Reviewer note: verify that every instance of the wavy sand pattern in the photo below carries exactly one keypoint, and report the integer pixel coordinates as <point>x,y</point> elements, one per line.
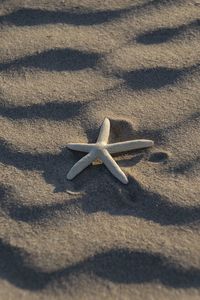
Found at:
<point>64,66</point>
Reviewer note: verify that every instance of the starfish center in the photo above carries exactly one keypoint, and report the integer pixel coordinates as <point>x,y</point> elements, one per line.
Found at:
<point>100,146</point>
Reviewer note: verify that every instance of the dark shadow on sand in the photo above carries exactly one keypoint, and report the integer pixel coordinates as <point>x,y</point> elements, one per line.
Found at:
<point>52,166</point>
<point>55,60</point>
<point>56,110</point>
<point>31,17</point>
<point>76,16</point>
<point>131,200</point>
<point>165,34</point>
<point>115,265</point>
<point>155,78</point>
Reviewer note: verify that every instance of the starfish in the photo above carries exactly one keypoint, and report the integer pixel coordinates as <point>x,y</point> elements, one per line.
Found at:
<point>101,149</point>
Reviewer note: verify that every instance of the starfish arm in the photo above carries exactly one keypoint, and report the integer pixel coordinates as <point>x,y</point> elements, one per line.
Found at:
<point>112,166</point>
<point>129,145</point>
<point>80,147</point>
<point>104,132</point>
<point>81,165</point>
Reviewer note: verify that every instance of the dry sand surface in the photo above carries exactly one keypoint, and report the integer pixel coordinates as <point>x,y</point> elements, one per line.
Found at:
<point>65,65</point>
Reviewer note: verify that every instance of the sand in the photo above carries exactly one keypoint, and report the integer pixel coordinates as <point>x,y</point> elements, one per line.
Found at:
<point>65,66</point>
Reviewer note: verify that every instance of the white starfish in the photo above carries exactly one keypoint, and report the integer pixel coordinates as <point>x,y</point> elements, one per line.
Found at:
<point>101,149</point>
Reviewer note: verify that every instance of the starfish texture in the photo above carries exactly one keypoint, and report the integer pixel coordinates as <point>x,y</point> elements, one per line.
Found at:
<point>101,149</point>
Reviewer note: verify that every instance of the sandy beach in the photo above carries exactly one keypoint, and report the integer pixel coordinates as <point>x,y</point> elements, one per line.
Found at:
<point>65,65</point>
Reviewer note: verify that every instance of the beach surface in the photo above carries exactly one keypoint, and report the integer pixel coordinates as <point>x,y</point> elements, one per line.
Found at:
<point>65,65</point>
